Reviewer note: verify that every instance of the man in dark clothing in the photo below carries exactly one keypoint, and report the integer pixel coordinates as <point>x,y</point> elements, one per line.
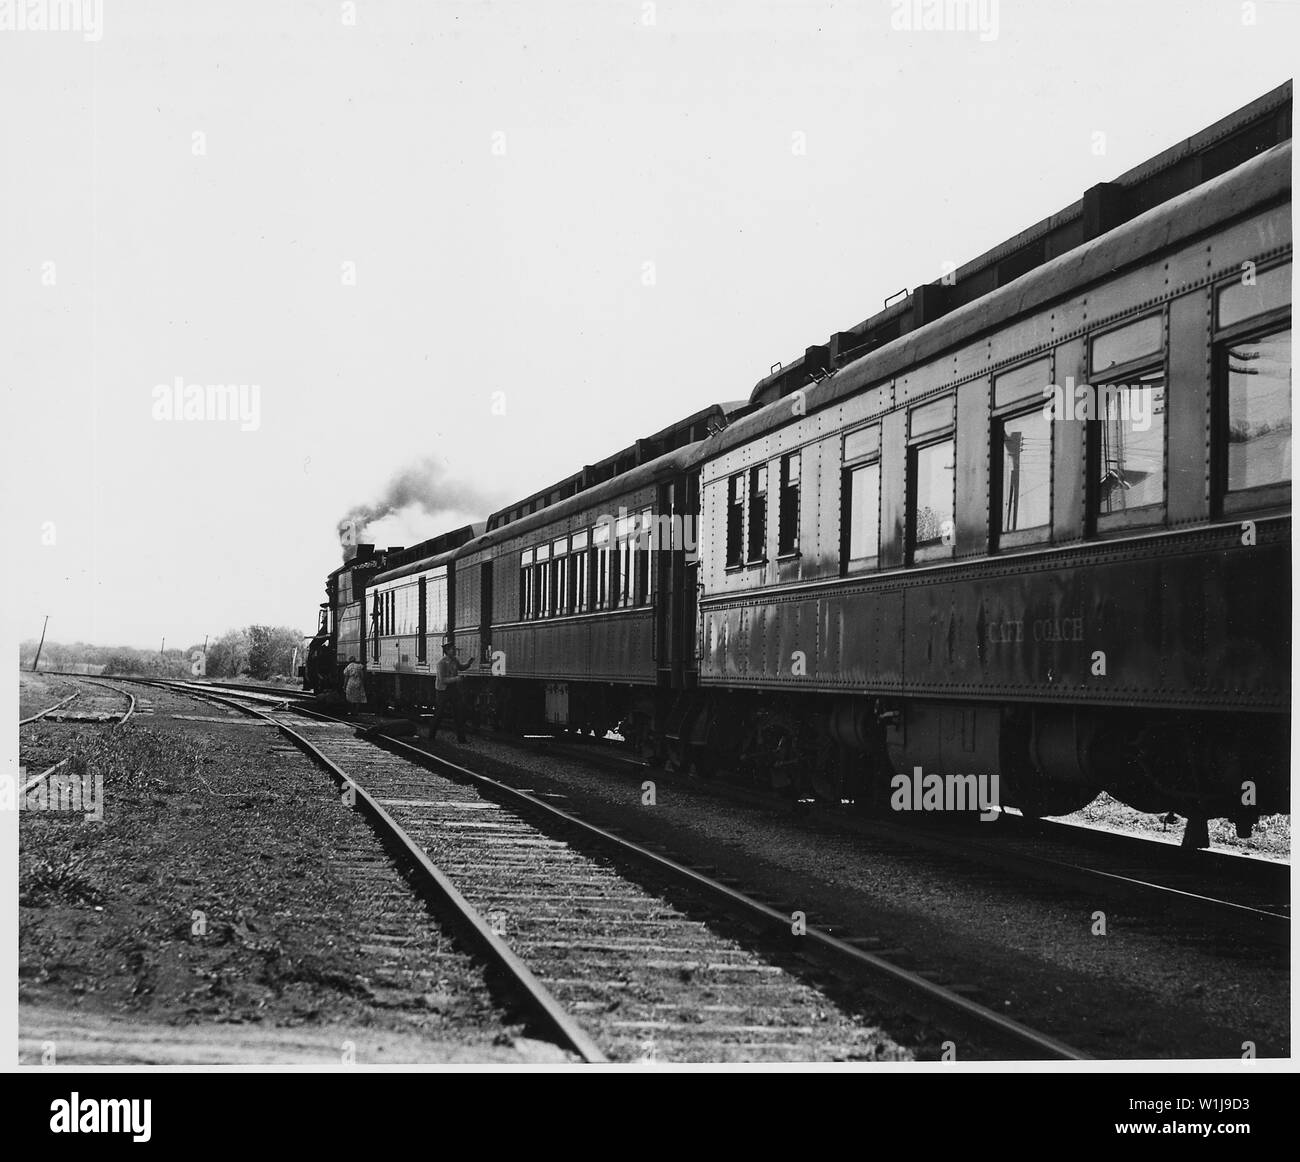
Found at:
<point>447,683</point>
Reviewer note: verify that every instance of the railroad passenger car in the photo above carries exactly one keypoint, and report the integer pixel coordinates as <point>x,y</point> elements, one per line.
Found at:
<point>354,622</point>
<point>410,598</point>
<point>1031,522</point>
<point>1044,535</point>
<point>577,603</point>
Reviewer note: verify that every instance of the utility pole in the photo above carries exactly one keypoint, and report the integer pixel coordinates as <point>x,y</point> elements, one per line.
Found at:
<point>36,661</point>
<point>162,647</point>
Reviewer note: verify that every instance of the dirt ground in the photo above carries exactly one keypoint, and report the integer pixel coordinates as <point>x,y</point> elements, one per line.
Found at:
<point>88,1038</point>
<point>229,908</point>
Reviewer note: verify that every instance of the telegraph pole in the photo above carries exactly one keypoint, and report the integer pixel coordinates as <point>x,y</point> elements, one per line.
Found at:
<point>37,659</point>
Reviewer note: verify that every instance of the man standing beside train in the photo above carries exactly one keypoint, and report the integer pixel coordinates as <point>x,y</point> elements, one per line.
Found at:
<point>447,684</point>
<point>354,686</point>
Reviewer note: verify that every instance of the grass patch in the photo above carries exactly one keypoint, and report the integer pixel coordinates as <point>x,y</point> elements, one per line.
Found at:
<point>57,879</point>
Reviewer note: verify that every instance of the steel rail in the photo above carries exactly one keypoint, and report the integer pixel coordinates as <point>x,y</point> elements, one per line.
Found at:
<point>131,703</point>
<point>1249,919</point>
<point>1265,923</point>
<point>544,1006</point>
<point>916,986</point>
<point>1279,925</point>
<point>49,709</point>
<point>130,698</point>
<point>37,780</point>
<point>265,691</point>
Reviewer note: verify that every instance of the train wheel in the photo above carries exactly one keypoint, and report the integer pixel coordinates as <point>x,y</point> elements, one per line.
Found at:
<point>638,729</point>
<point>771,754</point>
<point>703,763</point>
<point>825,777</point>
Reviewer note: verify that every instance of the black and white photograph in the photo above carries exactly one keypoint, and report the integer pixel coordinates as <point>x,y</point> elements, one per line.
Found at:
<point>648,536</point>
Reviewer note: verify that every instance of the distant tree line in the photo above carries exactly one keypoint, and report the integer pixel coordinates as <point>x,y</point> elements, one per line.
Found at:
<point>255,651</point>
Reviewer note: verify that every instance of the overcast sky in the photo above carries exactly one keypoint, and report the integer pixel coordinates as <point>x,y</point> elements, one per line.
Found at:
<point>181,197</point>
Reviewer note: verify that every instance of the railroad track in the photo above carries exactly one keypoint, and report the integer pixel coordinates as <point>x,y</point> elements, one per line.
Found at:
<point>36,780</point>
<point>598,920</point>
<point>91,707</point>
<point>258,696</point>
<point>99,707</point>
<point>1242,897</point>
<point>95,713</point>
<point>273,692</point>
<point>267,694</point>
<point>997,851</point>
<point>48,710</point>
<point>1238,896</point>
<point>538,1006</point>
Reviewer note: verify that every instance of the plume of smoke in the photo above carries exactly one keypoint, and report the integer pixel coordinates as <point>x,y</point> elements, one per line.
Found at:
<point>423,486</point>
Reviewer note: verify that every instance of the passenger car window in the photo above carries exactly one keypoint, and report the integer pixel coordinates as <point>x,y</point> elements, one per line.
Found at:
<point>788,513</point>
<point>933,478</point>
<point>1136,340</point>
<point>736,519</point>
<point>863,516</point>
<point>1023,448</point>
<point>1258,411</point>
<point>1131,424</point>
<point>1269,290</point>
<point>860,499</point>
<point>931,482</point>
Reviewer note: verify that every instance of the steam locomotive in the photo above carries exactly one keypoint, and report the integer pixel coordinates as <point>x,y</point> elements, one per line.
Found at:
<point>1032,521</point>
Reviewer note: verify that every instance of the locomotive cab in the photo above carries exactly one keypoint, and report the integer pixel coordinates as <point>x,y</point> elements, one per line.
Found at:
<point>318,673</point>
